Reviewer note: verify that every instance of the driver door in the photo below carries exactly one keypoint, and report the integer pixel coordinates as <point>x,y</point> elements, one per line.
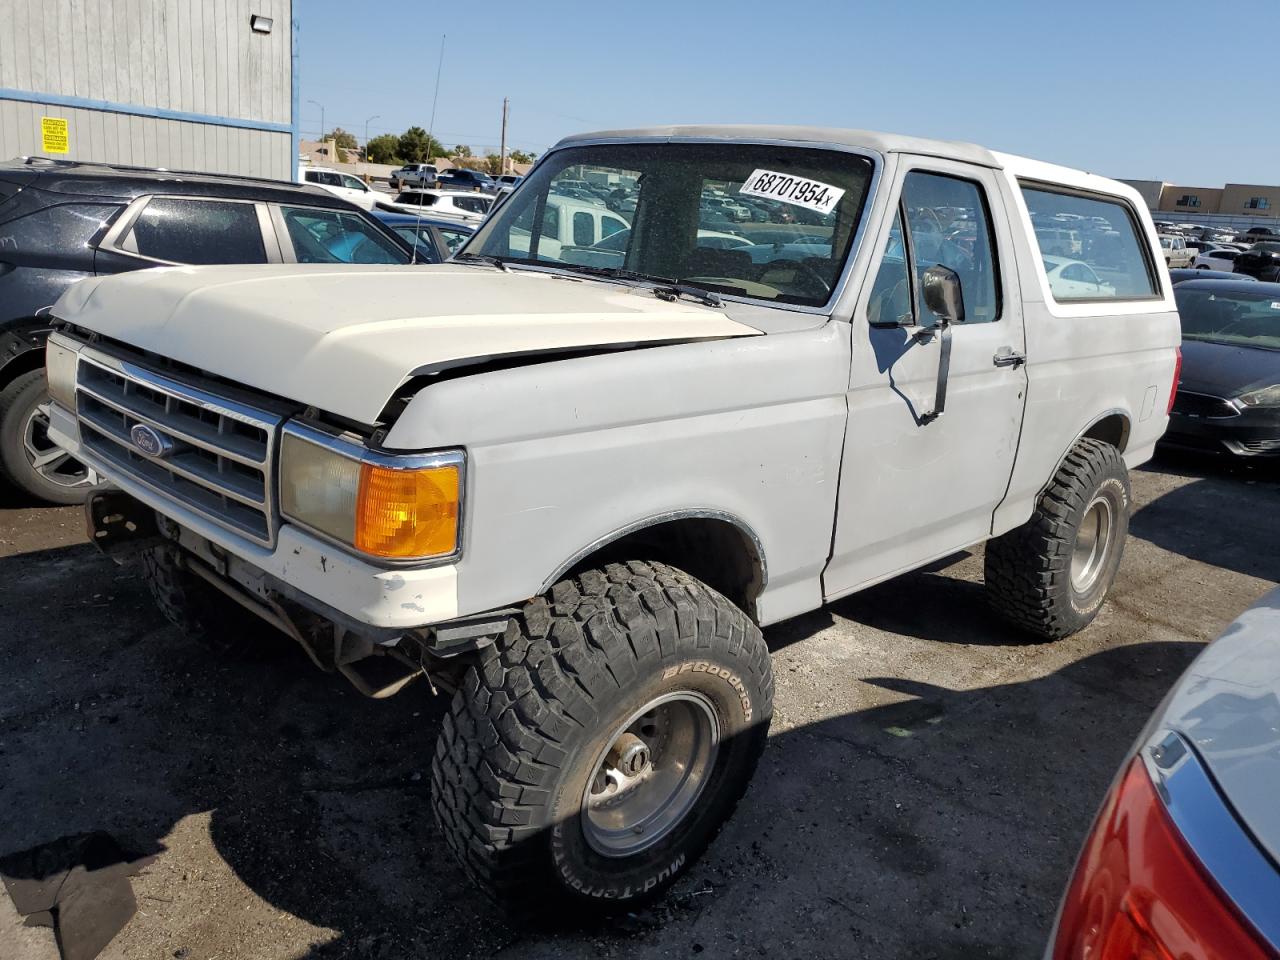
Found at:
<point>913,486</point>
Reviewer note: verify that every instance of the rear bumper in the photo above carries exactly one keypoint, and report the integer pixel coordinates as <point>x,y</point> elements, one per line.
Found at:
<point>1255,433</point>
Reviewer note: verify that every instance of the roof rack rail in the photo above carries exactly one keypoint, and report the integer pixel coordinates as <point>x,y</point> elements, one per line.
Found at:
<point>127,168</point>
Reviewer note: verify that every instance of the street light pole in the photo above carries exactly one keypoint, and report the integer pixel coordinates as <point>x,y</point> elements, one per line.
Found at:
<point>321,106</point>
<point>366,135</point>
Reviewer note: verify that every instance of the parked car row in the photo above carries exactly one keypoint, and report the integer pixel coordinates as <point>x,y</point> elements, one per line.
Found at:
<point>65,221</point>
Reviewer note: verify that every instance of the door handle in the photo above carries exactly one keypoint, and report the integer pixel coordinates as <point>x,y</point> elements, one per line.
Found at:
<point>1005,357</point>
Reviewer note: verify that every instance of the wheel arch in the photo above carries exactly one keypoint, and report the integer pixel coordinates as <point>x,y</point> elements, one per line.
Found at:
<point>1111,427</point>
<point>22,347</point>
<point>714,546</point>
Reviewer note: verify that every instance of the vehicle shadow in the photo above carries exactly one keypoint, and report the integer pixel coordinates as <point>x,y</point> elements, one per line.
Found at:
<point>963,807</point>
<point>1188,519</point>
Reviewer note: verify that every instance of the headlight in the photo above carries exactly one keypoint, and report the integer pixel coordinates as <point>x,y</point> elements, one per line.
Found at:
<point>395,507</point>
<point>60,358</point>
<point>1266,397</point>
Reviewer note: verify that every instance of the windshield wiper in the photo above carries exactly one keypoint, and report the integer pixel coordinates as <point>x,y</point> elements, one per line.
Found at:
<point>666,288</point>
<point>481,258</point>
<point>675,291</point>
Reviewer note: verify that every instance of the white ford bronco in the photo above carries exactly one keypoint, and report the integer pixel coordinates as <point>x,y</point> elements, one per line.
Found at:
<point>570,482</point>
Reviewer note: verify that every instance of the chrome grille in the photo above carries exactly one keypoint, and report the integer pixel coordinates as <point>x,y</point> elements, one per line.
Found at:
<point>1192,404</point>
<point>217,453</point>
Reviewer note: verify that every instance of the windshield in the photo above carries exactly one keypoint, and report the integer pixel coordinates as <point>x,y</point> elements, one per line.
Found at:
<point>1248,319</point>
<point>768,222</point>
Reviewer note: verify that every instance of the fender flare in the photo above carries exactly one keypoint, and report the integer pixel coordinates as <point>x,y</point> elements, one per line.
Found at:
<point>19,339</point>
<point>657,520</point>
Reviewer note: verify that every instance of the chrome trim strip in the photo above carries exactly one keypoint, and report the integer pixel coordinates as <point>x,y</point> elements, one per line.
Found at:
<point>1248,878</point>
<point>407,461</point>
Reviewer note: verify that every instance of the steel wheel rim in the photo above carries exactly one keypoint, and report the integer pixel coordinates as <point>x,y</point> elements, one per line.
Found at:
<point>47,459</point>
<point>650,774</point>
<point>1093,544</point>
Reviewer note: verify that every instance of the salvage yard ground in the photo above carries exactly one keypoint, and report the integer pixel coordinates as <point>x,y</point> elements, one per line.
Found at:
<point>928,779</point>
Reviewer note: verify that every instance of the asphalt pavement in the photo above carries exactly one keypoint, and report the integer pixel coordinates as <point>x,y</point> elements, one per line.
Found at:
<point>929,776</point>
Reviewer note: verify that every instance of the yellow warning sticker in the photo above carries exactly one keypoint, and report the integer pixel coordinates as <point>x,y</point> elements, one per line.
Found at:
<point>54,135</point>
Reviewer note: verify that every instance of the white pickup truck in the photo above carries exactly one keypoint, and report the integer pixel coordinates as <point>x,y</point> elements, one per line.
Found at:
<point>572,495</point>
<point>413,175</point>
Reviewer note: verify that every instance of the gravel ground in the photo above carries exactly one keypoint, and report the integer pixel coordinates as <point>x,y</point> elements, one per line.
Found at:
<point>928,779</point>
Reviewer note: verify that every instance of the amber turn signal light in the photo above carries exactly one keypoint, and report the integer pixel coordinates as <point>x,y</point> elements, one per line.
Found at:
<point>407,514</point>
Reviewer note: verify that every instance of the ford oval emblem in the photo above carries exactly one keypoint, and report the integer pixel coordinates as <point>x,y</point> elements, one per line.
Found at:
<point>148,441</point>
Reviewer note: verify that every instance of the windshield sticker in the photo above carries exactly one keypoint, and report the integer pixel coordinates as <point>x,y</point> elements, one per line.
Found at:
<point>798,191</point>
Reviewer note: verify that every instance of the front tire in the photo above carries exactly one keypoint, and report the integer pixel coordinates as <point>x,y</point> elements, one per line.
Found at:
<point>206,615</point>
<point>1051,575</point>
<point>592,755</point>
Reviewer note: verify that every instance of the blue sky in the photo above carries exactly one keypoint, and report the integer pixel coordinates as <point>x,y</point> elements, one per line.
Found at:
<point>1120,88</point>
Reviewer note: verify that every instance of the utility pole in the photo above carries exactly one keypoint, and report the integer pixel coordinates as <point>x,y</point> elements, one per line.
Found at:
<point>321,106</point>
<point>366,135</point>
<point>435,96</point>
<point>502,165</point>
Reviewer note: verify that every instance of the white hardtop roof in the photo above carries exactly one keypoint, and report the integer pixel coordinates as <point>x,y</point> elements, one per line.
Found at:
<point>874,140</point>
<point>881,142</point>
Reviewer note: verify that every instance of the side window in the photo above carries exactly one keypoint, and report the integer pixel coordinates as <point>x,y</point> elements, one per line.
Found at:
<point>551,222</point>
<point>453,239</point>
<point>311,176</point>
<point>334,236</point>
<point>948,223</point>
<point>352,183</point>
<point>199,231</point>
<point>891,295</point>
<point>611,225</point>
<point>421,241</point>
<point>1108,242</point>
<point>584,229</point>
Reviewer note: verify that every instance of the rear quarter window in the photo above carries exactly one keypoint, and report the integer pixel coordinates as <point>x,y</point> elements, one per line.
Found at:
<point>1099,232</point>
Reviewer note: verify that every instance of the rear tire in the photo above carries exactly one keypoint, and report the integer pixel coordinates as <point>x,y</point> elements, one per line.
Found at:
<point>1051,575</point>
<point>553,774</point>
<point>206,615</point>
<point>29,460</point>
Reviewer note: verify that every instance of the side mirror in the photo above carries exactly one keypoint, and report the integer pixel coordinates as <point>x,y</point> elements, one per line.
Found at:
<point>943,296</point>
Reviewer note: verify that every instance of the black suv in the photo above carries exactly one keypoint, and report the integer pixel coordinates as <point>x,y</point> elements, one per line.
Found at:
<point>460,178</point>
<point>61,221</point>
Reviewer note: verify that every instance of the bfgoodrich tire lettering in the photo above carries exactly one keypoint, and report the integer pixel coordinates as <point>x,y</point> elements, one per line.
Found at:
<point>1052,574</point>
<point>518,751</point>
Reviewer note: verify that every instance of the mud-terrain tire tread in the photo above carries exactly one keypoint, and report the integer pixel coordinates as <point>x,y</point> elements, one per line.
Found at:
<point>1028,569</point>
<point>497,756</point>
<point>205,615</point>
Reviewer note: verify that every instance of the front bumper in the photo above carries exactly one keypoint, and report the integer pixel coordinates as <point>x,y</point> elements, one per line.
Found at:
<point>1255,433</point>
<point>315,573</point>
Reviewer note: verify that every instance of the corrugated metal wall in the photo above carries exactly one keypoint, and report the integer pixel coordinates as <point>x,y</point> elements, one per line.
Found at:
<point>195,56</point>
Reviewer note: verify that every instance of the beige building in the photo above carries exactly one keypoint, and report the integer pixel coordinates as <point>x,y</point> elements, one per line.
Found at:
<point>1250,200</point>
<point>1234,199</point>
<point>1180,199</point>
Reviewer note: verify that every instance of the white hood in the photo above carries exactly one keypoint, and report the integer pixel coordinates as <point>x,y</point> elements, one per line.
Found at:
<point>343,338</point>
